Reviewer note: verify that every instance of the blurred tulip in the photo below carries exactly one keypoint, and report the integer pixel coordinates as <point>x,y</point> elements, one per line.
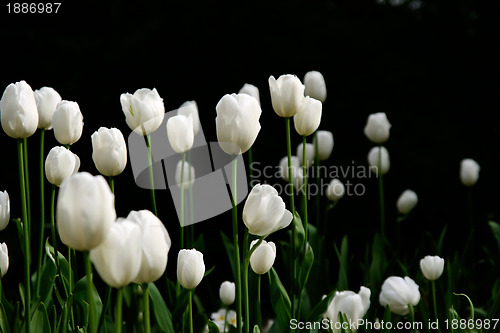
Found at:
<point>4,210</point>
<point>191,108</point>
<point>118,258</point>
<point>85,211</point>
<point>353,306</point>
<point>315,86</point>
<point>298,180</point>
<point>373,159</point>
<point>60,163</point>
<point>4,259</point>
<point>67,122</point>
<point>377,128</point>
<point>18,111</point>
<point>251,90</point>
<point>398,293</point>
<point>190,268</point>
<point>335,190</point>
<point>227,292</point>
<point>325,144</point>
<point>262,259</point>
<point>309,154</point>
<point>47,100</point>
<point>407,201</point>
<point>155,244</point>
<point>237,122</point>
<point>283,167</point>
<point>264,211</point>
<point>469,171</point>
<point>308,117</point>
<point>109,151</point>
<point>180,133</point>
<point>144,110</point>
<point>432,267</point>
<point>188,177</point>
<point>287,94</point>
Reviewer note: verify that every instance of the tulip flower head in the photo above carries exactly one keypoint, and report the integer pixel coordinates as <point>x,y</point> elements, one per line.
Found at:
<point>469,172</point>
<point>180,132</point>
<point>308,117</point>
<point>4,210</point>
<point>398,293</point>
<point>109,151</point>
<point>283,167</point>
<point>4,259</point>
<point>47,100</point>
<point>406,202</point>
<point>190,268</point>
<point>144,110</point>
<point>60,163</point>
<point>315,86</point>
<point>325,144</point>
<point>335,190</point>
<point>191,108</point>
<point>353,306</point>
<point>432,267</point>
<point>377,128</point>
<point>18,111</point>
<point>67,122</point>
<point>373,160</point>
<point>287,93</point>
<point>262,258</point>
<point>251,90</point>
<point>188,177</point>
<point>227,292</point>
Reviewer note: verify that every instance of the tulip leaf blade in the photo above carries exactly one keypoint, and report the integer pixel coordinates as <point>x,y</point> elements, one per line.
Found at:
<point>342,256</point>
<point>40,320</point>
<point>228,244</point>
<point>80,299</point>
<point>212,327</point>
<point>386,319</point>
<point>4,321</point>
<point>300,236</point>
<point>306,266</point>
<point>470,303</point>
<point>160,309</point>
<point>319,310</point>
<point>256,329</point>
<point>279,299</point>
<point>495,228</point>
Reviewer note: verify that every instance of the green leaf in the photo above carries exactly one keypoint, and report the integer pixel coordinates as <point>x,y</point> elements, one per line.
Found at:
<point>256,329</point>
<point>279,300</point>
<point>471,305</point>
<point>343,260</point>
<point>228,244</point>
<point>441,240</point>
<point>209,271</point>
<point>64,268</point>
<point>40,321</point>
<point>4,321</point>
<point>160,309</point>
<point>387,318</point>
<point>453,315</point>
<point>300,235</point>
<point>47,281</point>
<point>212,327</point>
<point>320,309</point>
<point>495,228</point>
<point>306,266</point>
<point>20,235</point>
<point>80,300</point>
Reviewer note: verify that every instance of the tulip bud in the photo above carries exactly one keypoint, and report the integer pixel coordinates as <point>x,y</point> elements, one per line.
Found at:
<point>373,160</point>
<point>398,293</point>
<point>469,171</point>
<point>353,306</point>
<point>308,117</point>
<point>262,259</point>
<point>180,133</point>
<point>335,190</point>
<point>191,108</point>
<point>190,268</point>
<point>237,122</point>
<point>325,144</point>
<point>227,293</point>
<point>377,128</point>
<point>315,86</point>
<point>118,258</point>
<point>109,151</point>
<point>67,122</point>
<point>155,244</point>
<point>287,94</point>
<point>47,100</point>
<point>187,178</point>
<point>283,166</point>
<point>60,163</point>
<point>144,110</point>
<point>85,211</point>
<point>264,211</point>
<point>432,267</point>
<point>407,201</point>
<point>18,111</point>
<point>4,259</point>
<point>251,90</point>
<point>4,210</point>
<point>309,154</point>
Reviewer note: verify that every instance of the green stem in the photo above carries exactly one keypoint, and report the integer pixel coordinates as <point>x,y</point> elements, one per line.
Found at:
<point>259,315</point>
<point>111,181</point>
<point>433,284</point>
<point>42,210</point>
<point>225,317</point>
<point>318,185</point>
<point>151,175</point>
<point>90,297</point>
<point>118,310</point>
<point>292,207</point>
<point>246,255</point>
<point>105,307</point>
<point>182,199</point>
<point>412,316</point>
<point>27,184</point>
<point>191,310</point>
<point>145,297</point>
<point>381,191</point>
<point>304,185</point>
<point>191,205</point>
<point>239,311</point>
<point>53,225</point>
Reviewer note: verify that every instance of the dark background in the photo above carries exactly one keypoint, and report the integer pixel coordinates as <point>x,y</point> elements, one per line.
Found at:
<point>434,71</point>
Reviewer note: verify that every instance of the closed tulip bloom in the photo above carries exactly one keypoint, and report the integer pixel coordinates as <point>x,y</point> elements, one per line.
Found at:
<point>85,211</point>
<point>298,180</point>
<point>398,293</point>
<point>180,133</point>
<point>188,177</point>
<point>377,128</point>
<point>325,144</point>
<point>191,108</point>
<point>227,292</point>
<point>373,159</point>
<point>469,171</point>
<point>262,259</point>
<point>251,90</point>
<point>308,117</point>
<point>4,259</point>
<point>335,190</point>
<point>67,122</point>
<point>118,258</point>
<point>18,111</point>
<point>407,201</point>
<point>144,110</point>
<point>287,94</point>
<point>264,211</point>
<point>237,122</point>
<point>310,152</point>
<point>283,166</point>
<point>315,85</point>
<point>109,151</point>
<point>47,100</point>
<point>190,268</point>
<point>60,163</point>
<point>4,210</point>
<point>353,306</point>
<point>432,267</point>
<point>155,245</point>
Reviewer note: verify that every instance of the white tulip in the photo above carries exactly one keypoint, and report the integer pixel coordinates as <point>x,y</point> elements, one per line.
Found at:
<point>67,122</point>
<point>262,258</point>
<point>155,246</point>
<point>47,100</point>
<point>283,166</point>
<point>109,151</point>
<point>18,110</point>
<point>118,258</point>
<point>187,178</point>
<point>191,108</point>
<point>308,117</point>
<point>4,210</point>
<point>432,267</point>
<point>60,163</point>
<point>227,292</point>
<point>251,90</point>
<point>190,268</point>
<point>407,201</point>
<point>398,293</point>
<point>298,180</point>
<point>144,110</point>
<point>4,259</point>
<point>335,190</point>
<point>325,144</point>
<point>377,128</point>
<point>353,306</point>
<point>180,132</point>
<point>287,94</point>
<point>310,152</point>
<point>264,211</point>
<point>373,160</point>
<point>469,172</point>
<point>237,122</point>
<point>85,211</point>
<point>315,85</point>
